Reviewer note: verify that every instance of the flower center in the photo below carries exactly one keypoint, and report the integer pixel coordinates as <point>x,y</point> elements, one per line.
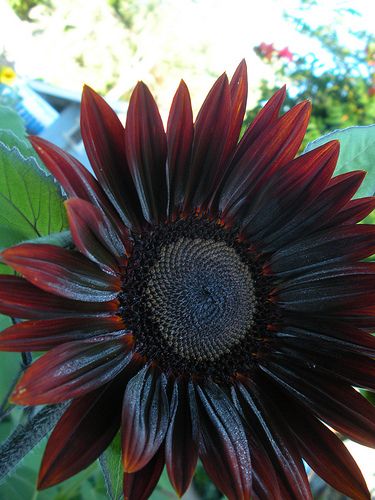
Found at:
<point>201,297</point>
<point>195,299</point>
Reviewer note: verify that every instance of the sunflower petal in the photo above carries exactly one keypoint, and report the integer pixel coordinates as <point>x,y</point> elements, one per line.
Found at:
<point>292,187</point>
<point>329,289</point>
<point>103,137</point>
<point>95,236</point>
<point>210,135</point>
<point>336,403</point>
<point>180,132</point>
<point>238,97</point>
<point>145,418</point>
<point>354,211</point>
<point>181,451</point>
<point>264,418</point>
<point>146,150</point>
<point>327,455</point>
<point>71,370</point>
<point>81,435</point>
<point>267,116</point>
<point>276,145</point>
<point>224,449</point>
<point>62,272</point>
<point>329,247</point>
<point>327,335</point>
<point>139,485</point>
<point>71,174</point>
<point>352,367</point>
<point>45,334</point>
<point>21,299</point>
<point>265,479</point>
<point>335,196</point>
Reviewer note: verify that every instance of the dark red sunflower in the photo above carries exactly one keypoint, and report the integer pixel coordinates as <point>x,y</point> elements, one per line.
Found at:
<point>216,305</point>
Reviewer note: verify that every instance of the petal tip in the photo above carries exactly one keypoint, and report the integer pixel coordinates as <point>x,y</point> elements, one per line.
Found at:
<point>88,92</point>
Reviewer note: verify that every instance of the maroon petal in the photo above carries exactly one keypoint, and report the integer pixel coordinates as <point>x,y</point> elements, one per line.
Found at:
<point>354,211</point>
<point>103,137</point>
<point>324,335</point>
<point>224,449</point>
<point>290,189</point>
<point>145,418</point>
<point>335,196</point>
<point>276,145</point>
<point>181,451</point>
<point>210,135</point>
<point>265,419</point>
<point>329,247</point>
<point>146,150</point>
<point>71,174</point>
<point>45,334</point>
<point>139,485</point>
<point>329,289</point>
<point>72,369</point>
<point>180,131</point>
<point>62,272</point>
<point>95,236</point>
<point>327,455</point>
<point>352,368</point>
<point>267,116</point>
<point>336,403</point>
<point>362,317</point>
<point>238,97</point>
<point>82,434</point>
<point>21,299</point>
<point>265,481</point>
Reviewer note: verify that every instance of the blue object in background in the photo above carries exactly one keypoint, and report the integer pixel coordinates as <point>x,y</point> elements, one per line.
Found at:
<point>35,111</point>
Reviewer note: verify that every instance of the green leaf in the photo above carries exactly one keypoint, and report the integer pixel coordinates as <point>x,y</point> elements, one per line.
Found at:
<point>10,120</point>
<point>164,489</point>
<point>10,363</point>
<point>31,203</point>
<point>5,321</point>
<point>357,152</point>
<point>21,485</point>
<point>10,139</point>
<point>111,464</point>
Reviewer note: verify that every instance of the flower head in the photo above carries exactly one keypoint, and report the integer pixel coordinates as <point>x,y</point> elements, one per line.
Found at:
<point>285,53</point>
<point>216,305</point>
<point>7,75</point>
<point>266,50</point>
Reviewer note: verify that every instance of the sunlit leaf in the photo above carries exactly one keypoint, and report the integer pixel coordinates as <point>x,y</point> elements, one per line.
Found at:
<point>357,152</point>
<point>30,201</point>
<point>10,120</point>
<point>111,464</point>
<point>31,204</point>
<point>164,489</point>
<point>10,139</point>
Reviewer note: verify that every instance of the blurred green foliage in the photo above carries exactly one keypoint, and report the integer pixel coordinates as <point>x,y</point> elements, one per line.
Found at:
<point>22,7</point>
<point>341,88</point>
<point>127,10</point>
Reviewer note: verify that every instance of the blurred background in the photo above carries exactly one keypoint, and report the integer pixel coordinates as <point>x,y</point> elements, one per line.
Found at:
<point>322,50</point>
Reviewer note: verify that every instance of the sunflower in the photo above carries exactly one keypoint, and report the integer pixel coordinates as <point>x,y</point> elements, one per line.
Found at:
<point>216,305</point>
